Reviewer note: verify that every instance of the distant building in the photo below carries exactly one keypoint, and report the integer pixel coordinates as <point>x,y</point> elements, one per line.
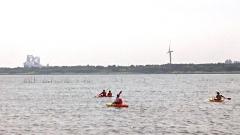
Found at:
<point>228,61</point>
<point>32,62</point>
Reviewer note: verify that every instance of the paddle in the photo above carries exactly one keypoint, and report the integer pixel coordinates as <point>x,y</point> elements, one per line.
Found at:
<point>228,98</point>
<point>120,93</point>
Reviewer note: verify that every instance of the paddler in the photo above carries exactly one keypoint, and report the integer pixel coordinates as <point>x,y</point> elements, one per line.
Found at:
<point>219,97</point>
<point>109,93</point>
<point>103,94</point>
<point>118,100</point>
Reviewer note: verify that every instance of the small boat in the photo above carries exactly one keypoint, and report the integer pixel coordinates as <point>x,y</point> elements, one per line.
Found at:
<point>215,100</point>
<point>103,96</point>
<point>116,105</point>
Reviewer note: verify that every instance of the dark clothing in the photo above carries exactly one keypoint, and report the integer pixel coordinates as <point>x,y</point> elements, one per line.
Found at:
<point>219,97</point>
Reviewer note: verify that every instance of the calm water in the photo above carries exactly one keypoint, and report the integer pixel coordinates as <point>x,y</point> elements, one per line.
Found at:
<point>158,104</point>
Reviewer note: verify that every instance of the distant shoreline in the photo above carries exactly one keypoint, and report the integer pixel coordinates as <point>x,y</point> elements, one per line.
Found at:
<point>219,68</point>
<point>236,73</point>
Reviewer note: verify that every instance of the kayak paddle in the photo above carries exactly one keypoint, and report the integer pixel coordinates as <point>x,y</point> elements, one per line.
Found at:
<point>228,98</point>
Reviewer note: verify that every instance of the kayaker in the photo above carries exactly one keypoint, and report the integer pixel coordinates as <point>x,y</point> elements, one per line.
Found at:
<point>118,100</point>
<point>109,93</point>
<point>103,94</point>
<point>219,97</point>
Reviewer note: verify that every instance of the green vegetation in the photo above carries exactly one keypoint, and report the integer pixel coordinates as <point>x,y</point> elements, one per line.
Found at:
<point>138,69</point>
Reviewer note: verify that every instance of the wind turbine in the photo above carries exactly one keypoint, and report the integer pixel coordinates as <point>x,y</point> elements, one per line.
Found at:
<point>170,53</point>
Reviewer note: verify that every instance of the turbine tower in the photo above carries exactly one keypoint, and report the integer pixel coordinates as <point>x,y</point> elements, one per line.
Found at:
<point>170,53</point>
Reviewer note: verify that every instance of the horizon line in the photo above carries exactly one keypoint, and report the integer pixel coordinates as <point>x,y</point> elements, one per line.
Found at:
<point>123,65</point>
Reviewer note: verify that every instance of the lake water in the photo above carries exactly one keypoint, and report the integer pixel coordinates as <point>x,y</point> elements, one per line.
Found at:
<point>158,104</point>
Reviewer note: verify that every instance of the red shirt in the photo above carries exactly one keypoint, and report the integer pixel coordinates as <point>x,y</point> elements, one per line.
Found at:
<point>103,94</point>
<point>109,94</point>
<point>118,101</point>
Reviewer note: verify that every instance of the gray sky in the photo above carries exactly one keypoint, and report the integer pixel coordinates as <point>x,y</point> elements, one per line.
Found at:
<point>121,32</point>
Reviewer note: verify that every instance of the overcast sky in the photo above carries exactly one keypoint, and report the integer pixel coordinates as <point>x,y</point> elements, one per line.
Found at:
<point>121,32</point>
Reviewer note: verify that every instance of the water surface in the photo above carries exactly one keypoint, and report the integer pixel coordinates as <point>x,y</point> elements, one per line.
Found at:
<point>158,104</point>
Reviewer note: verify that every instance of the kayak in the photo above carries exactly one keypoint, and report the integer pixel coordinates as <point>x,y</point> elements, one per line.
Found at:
<point>103,96</point>
<point>116,105</point>
<point>215,100</point>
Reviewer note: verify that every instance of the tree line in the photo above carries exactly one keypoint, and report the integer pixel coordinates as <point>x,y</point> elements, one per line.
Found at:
<point>133,69</point>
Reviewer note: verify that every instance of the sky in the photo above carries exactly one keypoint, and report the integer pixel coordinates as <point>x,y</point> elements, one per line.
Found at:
<point>118,32</point>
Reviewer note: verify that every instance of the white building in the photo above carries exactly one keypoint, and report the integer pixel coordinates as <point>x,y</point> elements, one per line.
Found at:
<point>32,62</point>
<point>228,61</point>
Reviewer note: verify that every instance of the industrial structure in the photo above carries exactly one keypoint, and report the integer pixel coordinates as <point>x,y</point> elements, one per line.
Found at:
<point>32,62</point>
<point>170,53</point>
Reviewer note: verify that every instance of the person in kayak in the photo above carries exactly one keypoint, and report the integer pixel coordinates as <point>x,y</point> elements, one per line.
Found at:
<point>109,93</point>
<point>103,94</point>
<point>118,100</point>
<point>219,97</point>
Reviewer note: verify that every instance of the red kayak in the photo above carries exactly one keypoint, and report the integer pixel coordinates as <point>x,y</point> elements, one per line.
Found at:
<point>116,105</point>
<point>102,96</point>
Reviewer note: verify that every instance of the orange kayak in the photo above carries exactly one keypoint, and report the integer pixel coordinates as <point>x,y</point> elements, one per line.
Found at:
<point>215,100</point>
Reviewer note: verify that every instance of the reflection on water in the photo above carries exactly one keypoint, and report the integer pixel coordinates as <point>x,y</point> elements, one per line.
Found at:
<point>158,104</point>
